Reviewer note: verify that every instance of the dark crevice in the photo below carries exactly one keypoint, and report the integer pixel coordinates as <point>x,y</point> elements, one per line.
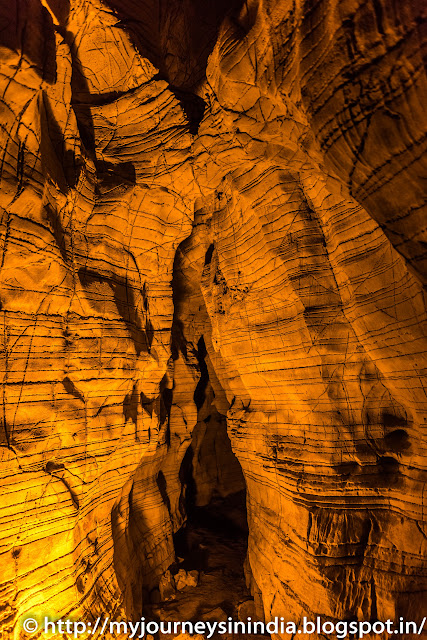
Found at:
<point>165,399</point>
<point>177,36</point>
<point>379,16</point>
<point>193,107</point>
<point>188,494</point>
<point>209,253</point>
<point>199,392</point>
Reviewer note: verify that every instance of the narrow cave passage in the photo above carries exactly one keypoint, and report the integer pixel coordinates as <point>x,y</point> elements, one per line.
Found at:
<point>214,490</point>
<point>208,582</point>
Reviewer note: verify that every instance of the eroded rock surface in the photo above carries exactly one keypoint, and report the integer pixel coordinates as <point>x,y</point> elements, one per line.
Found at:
<point>213,232</point>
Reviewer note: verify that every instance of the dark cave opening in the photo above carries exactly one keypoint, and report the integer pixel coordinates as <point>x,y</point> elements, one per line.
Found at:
<point>213,520</point>
<point>212,529</point>
<point>213,544</point>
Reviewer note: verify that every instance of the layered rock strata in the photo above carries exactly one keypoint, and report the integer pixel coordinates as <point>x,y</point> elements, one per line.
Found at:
<point>213,232</point>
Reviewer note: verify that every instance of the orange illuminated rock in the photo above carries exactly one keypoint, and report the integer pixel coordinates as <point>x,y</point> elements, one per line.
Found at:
<point>213,234</point>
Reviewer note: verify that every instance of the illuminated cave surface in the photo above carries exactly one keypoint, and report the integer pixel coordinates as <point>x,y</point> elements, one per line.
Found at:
<point>212,287</point>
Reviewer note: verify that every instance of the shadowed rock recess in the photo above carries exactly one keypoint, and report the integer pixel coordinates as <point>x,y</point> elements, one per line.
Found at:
<point>213,269</point>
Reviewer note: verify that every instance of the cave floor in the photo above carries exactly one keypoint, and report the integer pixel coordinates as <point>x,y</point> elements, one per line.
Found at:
<point>213,542</point>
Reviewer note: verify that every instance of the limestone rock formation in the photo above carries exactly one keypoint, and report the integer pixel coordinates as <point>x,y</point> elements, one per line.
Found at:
<point>212,279</point>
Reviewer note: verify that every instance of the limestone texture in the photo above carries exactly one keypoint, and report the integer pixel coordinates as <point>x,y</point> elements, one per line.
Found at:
<point>212,279</point>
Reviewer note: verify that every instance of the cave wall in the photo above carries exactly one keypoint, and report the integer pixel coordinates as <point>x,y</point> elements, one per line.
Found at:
<point>268,203</point>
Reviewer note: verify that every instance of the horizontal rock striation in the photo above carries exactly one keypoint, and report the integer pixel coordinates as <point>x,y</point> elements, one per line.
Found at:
<point>212,232</point>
